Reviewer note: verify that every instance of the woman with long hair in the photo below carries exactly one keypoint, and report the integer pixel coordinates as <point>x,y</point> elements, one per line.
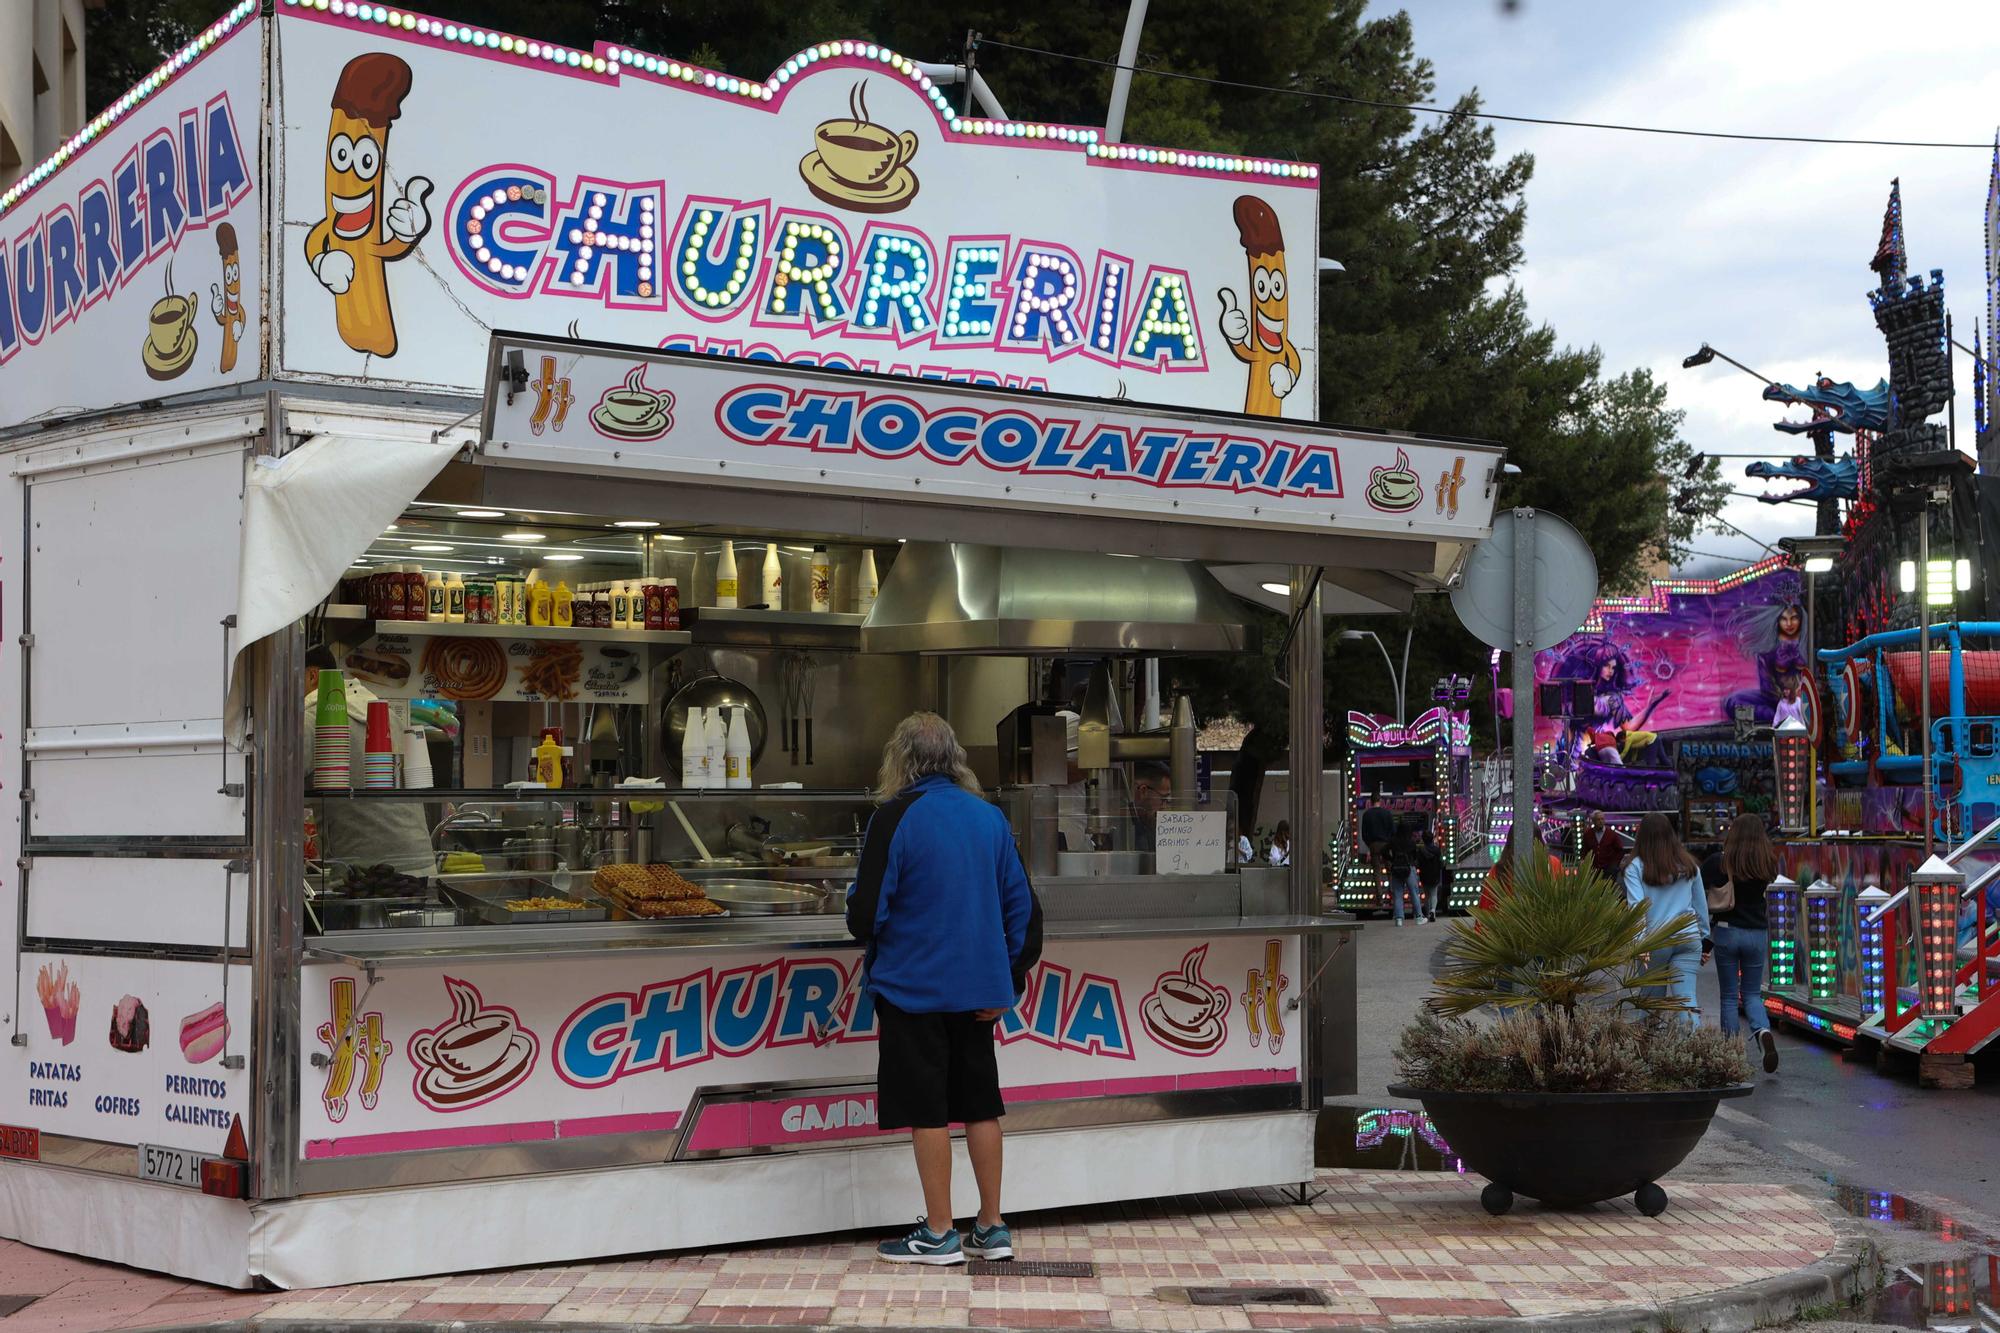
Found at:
<point>1663,878</point>
<point>1747,863</point>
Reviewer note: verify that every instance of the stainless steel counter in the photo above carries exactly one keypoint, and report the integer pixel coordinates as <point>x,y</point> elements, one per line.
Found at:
<point>394,948</point>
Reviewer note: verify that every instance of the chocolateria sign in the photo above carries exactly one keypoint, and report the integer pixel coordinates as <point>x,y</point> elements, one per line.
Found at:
<point>440,181</point>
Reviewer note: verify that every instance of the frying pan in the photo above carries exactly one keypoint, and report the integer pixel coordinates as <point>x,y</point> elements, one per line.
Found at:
<point>711,692</point>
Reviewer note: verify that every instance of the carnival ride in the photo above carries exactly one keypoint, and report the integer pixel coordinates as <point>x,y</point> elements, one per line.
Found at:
<point>1422,771</point>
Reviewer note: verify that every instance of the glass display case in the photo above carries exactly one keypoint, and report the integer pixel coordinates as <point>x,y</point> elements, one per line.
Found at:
<point>402,859</point>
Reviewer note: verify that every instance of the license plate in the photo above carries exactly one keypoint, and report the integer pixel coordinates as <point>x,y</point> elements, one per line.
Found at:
<point>20,1141</point>
<point>174,1166</point>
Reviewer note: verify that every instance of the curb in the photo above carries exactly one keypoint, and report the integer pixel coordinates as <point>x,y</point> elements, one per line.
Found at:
<point>1835,1282</point>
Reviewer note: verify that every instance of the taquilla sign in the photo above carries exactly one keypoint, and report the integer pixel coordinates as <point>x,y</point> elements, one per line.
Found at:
<point>442,181</point>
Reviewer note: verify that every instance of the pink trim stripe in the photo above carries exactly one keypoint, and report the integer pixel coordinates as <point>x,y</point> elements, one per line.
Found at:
<point>454,1136</point>
<point>638,1122</point>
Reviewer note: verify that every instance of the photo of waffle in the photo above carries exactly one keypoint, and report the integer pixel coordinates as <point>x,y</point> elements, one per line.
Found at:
<point>60,1000</point>
<point>654,892</point>
<point>131,1025</point>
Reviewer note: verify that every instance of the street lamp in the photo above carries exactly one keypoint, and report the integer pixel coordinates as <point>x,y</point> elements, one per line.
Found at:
<point>1395,676</point>
<point>1707,354</point>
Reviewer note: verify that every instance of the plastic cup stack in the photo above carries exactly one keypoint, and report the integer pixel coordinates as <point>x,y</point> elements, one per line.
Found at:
<point>416,759</point>
<point>333,743</point>
<point>378,762</point>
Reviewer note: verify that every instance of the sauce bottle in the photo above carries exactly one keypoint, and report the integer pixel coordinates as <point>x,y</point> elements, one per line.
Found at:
<point>725,577</point>
<point>621,605</point>
<point>822,580</point>
<point>562,605</point>
<point>771,589</point>
<point>454,600</point>
<point>548,759</point>
<point>540,603</point>
<point>736,751</point>
<point>870,583</point>
<point>435,599</point>
<point>416,593</point>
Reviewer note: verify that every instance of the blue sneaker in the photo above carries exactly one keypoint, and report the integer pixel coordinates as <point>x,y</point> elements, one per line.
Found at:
<point>924,1246</point>
<point>994,1242</point>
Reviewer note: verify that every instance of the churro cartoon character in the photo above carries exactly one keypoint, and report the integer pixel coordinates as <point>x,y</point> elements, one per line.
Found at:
<point>362,231</point>
<point>226,298</point>
<point>1257,334</point>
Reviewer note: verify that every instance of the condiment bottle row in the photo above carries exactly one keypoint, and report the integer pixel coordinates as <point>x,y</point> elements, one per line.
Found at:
<point>407,592</point>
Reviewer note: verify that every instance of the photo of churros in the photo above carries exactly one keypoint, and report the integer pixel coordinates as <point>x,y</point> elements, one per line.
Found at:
<point>465,668</point>
<point>552,671</point>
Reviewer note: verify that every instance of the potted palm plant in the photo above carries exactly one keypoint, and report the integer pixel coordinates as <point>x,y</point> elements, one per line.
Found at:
<point>1546,1059</point>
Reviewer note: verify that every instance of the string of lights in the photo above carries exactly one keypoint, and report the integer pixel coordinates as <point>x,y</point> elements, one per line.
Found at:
<point>1433,110</point>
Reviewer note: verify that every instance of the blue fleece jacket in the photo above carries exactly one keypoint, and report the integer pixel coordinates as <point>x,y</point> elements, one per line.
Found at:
<point>943,903</point>
<point>1664,902</point>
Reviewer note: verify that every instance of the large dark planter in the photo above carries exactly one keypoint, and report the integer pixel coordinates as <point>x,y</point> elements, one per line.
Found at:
<point>1572,1148</point>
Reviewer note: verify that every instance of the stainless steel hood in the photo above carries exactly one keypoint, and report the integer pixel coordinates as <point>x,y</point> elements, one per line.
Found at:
<point>960,598</point>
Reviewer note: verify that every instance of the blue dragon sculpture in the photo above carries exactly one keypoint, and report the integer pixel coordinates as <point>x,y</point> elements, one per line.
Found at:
<point>1840,407</point>
<point>1822,478</point>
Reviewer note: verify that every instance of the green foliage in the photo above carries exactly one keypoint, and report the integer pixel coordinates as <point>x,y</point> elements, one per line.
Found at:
<point>1565,960</point>
<point>1551,1050</point>
<point>1560,939</point>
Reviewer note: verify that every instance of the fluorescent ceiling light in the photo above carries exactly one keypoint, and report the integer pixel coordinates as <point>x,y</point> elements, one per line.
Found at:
<point>635,523</point>
<point>482,513</point>
<point>523,538</point>
<point>562,557</point>
<point>1277,589</point>
<point>431,548</point>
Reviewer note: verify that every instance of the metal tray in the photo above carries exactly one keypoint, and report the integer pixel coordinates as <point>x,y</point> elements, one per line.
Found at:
<point>489,903</point>
<point>764,897</point>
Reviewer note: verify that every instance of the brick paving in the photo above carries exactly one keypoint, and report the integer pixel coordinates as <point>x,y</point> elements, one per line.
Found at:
<point>1381,1247</point>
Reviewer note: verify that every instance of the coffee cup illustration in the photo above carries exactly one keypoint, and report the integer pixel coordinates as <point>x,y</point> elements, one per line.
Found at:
<point>859,165</point>
<point>1396,489</point>
<point>170,334</point>
<point>631,411</point>
<point>480,1053</point>
<point>1184,1013</point>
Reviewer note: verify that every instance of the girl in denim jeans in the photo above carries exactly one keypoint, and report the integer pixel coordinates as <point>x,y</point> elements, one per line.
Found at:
<point>1663,877</point>
<point>1748,863</point>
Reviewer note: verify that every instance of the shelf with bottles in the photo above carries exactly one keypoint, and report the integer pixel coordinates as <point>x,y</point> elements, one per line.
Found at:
<point>761,627</point>
<point>355,621</point>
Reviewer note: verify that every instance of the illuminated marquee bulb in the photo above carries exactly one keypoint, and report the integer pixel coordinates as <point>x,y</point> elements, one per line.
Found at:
<point>706,282</point>
<point>969,308</point>
<point>1936,886</point>
<point>1047,289</point>
<point>1781,906</point>
<point>1108,311</point>
<point>1874,965</point>
<point>899,272</point>
<point>1165,329</point>
<point>810,260</point>
<point>1822,942</point>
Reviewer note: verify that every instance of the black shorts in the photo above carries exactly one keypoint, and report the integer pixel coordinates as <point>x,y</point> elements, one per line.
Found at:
<point>934,1070</point>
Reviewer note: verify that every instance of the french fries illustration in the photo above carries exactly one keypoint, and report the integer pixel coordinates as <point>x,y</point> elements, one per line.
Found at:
<point>364,230</point>
<point>1263,999</point>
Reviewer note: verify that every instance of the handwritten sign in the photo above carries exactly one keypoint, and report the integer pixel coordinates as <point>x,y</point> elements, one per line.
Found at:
<point>1190,842</point>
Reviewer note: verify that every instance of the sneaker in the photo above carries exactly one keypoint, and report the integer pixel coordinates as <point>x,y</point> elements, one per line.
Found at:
<point>1399,923</point>
<point>923,1246</point>
<point>1769,1041</point>
<point>994,1242</point>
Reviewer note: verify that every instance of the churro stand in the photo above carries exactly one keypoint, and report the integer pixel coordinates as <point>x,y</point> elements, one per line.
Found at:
<point>443,751</point>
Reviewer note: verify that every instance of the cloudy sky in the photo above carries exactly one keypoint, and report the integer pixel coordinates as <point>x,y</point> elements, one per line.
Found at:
<point>1649,245</point>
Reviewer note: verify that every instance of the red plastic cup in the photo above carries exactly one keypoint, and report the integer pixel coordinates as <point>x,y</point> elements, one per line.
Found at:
<point>379,740</point>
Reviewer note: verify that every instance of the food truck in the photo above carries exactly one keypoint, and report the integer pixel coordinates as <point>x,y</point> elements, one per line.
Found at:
<point>391,897</point>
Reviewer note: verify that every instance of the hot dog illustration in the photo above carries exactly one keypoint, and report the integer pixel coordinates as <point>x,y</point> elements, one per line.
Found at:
<point>364,230</point>
<point>1257,334</point>
<point>226,298</point>
<point>204,1034</point>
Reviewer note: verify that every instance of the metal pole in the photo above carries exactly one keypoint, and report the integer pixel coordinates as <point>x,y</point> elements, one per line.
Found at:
<point>1307,672</point>
<point>1403,678</point>
<point>1812,668</point>
<point>1395,688</point>
<point>1523,681</point>
<point>1121,89</point>
<point>1924,656</point>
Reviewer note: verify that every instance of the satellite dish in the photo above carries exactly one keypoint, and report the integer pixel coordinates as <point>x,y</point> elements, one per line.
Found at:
<point>1565,583</point>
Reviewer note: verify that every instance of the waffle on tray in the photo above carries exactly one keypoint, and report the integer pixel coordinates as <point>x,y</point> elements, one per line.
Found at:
<point>673,907</point>
<point>646,884</point>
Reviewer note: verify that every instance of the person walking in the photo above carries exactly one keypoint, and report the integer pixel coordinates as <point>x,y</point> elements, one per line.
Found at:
<point>1663,878</point>
<point>1402,855</point>
<point>1430,873</point>
<point>952,927</point>
<point>1602,846</point>
<point>1738,875</point>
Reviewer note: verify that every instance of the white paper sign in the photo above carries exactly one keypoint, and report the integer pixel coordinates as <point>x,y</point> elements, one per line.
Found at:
<point>1190,842</point>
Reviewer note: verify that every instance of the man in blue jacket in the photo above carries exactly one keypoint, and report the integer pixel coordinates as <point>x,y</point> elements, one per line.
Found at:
<point>952,927</point>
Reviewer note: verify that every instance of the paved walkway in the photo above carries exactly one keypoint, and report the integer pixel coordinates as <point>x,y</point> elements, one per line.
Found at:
<point>1381,1247</point>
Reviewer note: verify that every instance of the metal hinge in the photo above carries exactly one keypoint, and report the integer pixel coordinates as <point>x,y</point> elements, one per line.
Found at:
<point>230,789</point>
<point>18,1039</point>
<point>238,866</point>
<point>27,793</point>
<point>232,1062</point>
<point>27,641</point>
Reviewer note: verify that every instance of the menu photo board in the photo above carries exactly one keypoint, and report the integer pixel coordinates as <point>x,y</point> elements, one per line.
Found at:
<point>525,670</point>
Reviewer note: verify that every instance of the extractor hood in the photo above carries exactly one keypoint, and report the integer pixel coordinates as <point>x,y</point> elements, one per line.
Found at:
<point>959,598</point>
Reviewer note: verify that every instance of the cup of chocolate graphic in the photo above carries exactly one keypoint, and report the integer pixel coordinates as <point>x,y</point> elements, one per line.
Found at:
<point>472,1048</point>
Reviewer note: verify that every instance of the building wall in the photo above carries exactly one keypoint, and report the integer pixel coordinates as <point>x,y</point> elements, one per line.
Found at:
<point>41,80</point>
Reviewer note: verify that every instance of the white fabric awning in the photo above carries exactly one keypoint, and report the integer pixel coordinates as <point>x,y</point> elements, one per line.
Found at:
<point>307,516</point>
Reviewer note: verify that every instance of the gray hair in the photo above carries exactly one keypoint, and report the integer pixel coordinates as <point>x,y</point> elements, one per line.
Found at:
<point>923,744</point>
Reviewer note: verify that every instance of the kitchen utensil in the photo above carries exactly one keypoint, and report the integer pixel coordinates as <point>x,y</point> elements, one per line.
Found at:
<point>700,847</point>
<point>713,691</point>
<point>806,702</point>
<point>763,897</point>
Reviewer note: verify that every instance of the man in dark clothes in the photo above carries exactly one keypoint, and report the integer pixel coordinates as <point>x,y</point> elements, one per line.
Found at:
<point>951,925</point>
<point>1602,847</point>
<point>1430,873</point>
<point>1402,856</point>
<point>1378,826</point>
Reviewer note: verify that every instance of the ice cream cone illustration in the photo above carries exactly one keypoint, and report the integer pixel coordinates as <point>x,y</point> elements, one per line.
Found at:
<point>226,297</point>
<point>364,229</point>
<point>1257,334</point>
